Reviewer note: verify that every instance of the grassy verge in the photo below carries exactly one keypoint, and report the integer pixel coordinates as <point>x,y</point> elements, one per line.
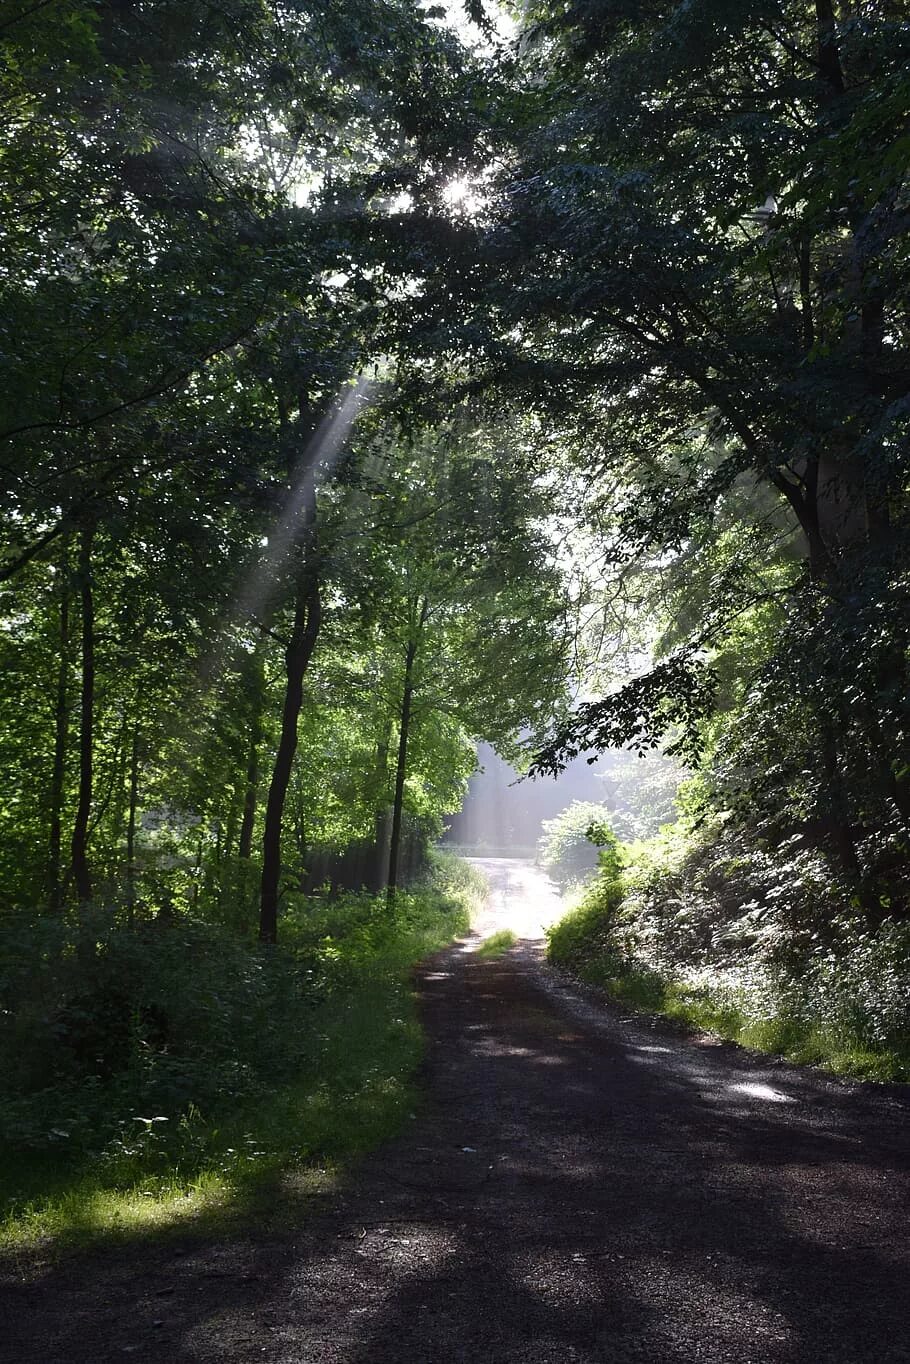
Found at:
<point>497,944</point>
<point>768,1014</point>
<point>342,1071</point>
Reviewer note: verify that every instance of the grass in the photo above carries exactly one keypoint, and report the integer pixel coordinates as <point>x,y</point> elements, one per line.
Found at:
<point>497,944</point>
<point>261,1156</point>
<point>581,944</point>
<point>357,1095</point>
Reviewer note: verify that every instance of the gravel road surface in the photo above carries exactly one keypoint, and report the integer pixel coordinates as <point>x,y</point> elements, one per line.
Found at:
<point>577,1186</point>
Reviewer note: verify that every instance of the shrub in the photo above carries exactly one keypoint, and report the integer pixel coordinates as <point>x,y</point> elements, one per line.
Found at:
<point>111,1024</point>
<point>177,1051</point>
<point>733,944</point>
<point>577,841</point>
<point>588,930</point>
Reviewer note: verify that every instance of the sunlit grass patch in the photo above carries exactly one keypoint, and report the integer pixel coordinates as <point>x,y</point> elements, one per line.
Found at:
<point>86,1210</point>
<point>701,1010</point>
<point>760,1010</point>
<point>497,944</point>
<point>349,1057</point>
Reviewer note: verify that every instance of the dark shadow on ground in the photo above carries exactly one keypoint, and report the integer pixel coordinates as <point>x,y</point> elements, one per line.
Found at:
<point>572,1189</point>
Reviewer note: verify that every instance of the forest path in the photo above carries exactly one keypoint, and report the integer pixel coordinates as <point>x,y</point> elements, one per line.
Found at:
<point>521,898</point>
<point>576,1187</point>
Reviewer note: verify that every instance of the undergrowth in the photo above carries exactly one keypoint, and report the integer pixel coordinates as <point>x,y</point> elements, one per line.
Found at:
<point>497,944</point>
<point>164,1073</point>
<point>841,1004</point>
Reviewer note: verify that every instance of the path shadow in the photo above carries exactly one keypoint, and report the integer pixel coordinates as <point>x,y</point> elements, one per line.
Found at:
<point>567,1193</point>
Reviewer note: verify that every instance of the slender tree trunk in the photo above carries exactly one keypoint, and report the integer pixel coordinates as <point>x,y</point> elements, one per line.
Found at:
<point>400,775</point>
<point>230,832</point>
<point>401,769</point>
<point>380,856</point>
<point>251,792</point>
<point>79,847</point>
<point>197,876</point>
<point>300,830</point>
<point>61,737</point>
<point>131,825</point>
<point>305,631</point>
<point>245,845</point>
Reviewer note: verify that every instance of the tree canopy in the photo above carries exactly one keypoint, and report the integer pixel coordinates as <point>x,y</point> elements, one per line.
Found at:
<point>370,391</point>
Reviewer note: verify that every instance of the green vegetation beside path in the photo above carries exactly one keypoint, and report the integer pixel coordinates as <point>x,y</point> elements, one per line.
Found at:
<point>236,1069</point>
<point>390,387</point>
<point>497,944</point>
<point>839,1005</point>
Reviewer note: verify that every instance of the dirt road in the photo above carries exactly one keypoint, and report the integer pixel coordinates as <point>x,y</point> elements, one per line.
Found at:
<point>577,1187</point>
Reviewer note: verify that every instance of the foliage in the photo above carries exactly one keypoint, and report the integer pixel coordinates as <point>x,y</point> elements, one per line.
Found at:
<point>221,522</point>
<point>180,1059</point>
<point>706,310</point>
<point>674,697</point>
<point>587,928</point>
<point>577,841</point>
<point>640,791</point>
<point>313,478</point>
<point>675,936</point>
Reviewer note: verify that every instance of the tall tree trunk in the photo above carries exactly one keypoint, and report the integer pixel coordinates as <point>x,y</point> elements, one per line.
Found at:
<point>245,844</point>
<point>300,830</point>
<point>251,790</point>
<point>79,846</point>
<point>230,833</point>
<point>401,770</point>
<point>61,737</point>
<point>131,825</point>
<point>305,631</point>
<point>379,862</point>
<point>197,876</point>
<point>828,58</point>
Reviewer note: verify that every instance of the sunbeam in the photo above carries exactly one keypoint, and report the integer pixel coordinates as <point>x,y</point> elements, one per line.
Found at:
<point>323,449</point>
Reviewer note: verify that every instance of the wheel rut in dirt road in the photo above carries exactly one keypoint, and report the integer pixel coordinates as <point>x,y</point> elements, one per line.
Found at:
<point>576,1187</point>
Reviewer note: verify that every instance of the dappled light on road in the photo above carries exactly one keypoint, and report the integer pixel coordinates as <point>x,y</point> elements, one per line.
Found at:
<point>762,1091</point>
<point>574,1186</point>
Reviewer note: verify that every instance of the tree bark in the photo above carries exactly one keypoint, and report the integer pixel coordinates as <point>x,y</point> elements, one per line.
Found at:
<point>380,857</point>
<point>305,631</point>
<point>79,846</point>
<point>401,770</point>
<point>245,844</point>
<point>829,62</point>
<point>61,738</point>
<point>300,831</point>
<point>131,825</point>
<point>251,792</point>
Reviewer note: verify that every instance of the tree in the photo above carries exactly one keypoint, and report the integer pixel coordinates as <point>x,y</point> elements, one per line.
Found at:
<point>697,259</point>
<point>204,231</point>
<point>471,597</point>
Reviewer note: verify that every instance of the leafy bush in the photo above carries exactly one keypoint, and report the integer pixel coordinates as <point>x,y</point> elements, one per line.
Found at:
<point>677,934</point>
<point>587,930</point>
<point>115,1024</point>
<point>577,841</point>
<point>176,1050</point>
